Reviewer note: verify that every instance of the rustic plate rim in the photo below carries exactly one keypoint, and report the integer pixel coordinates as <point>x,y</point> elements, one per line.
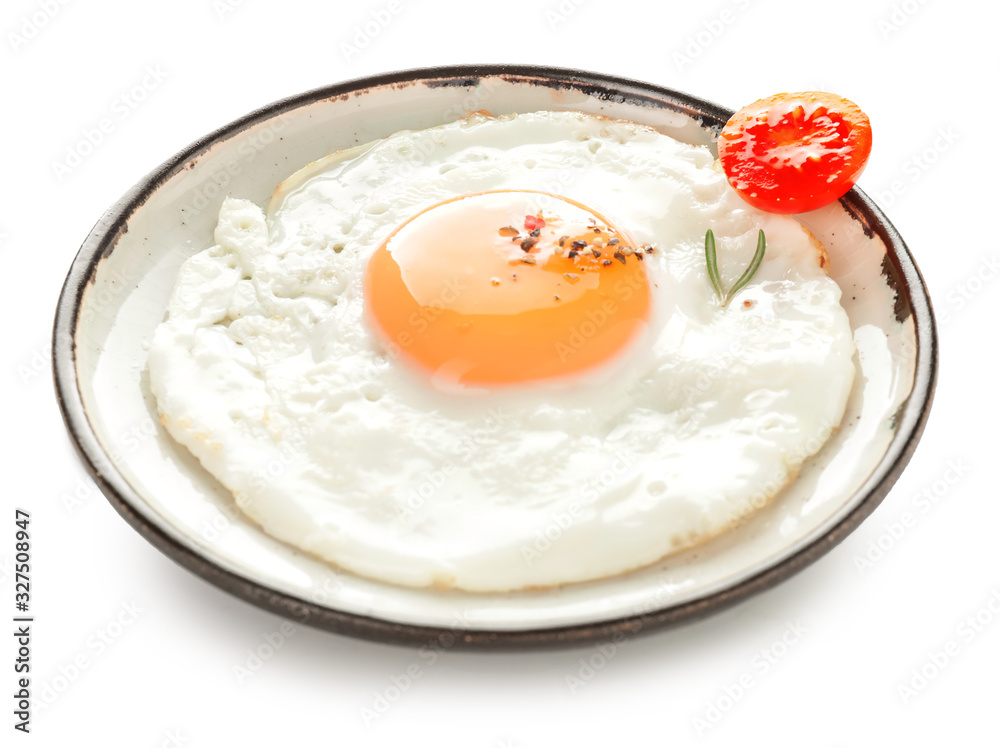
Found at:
<point>910,419</point>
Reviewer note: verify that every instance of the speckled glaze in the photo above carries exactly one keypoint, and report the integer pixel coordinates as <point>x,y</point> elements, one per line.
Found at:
<point>116,292</point>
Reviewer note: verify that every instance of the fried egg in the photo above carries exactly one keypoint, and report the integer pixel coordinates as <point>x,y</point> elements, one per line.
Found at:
<point>489,356</point>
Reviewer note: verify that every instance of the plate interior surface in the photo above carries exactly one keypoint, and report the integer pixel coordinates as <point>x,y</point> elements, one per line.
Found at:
<point>117,291</point>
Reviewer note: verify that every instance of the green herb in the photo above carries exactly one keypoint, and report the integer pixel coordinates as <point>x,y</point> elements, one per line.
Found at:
<point>713,267</point>
<point>713,264</point>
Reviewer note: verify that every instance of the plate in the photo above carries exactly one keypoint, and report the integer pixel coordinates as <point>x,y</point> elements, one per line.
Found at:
<point>116,293</point>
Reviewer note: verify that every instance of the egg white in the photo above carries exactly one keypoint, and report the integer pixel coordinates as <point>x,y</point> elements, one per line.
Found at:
<point>266,370</point>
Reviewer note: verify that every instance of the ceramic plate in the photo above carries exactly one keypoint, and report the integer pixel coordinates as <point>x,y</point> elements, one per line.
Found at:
<point>116,294</point>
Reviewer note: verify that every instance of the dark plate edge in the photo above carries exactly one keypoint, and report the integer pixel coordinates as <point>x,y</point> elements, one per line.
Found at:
<point>909,426</point>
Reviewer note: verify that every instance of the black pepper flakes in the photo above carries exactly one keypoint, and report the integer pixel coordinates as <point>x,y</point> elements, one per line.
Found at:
<point>562,240</point>
<point>536,232</point>
<point>648,248</point>
<point>528,243</point>
<point>605,262</point>
<point>597,252</point>
<point>613,241</point>
<point>578,244</point>
<point>620,257</point>
<point>572,253</point>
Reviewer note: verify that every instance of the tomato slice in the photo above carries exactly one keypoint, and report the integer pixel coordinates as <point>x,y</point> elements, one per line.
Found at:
<point>794,152</point>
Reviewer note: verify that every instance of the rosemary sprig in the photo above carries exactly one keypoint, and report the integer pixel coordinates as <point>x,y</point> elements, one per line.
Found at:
<point>711,260</point>
<point>713,264</point>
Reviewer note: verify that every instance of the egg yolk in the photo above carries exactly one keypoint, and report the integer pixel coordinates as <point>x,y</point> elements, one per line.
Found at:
<point>507,287</point>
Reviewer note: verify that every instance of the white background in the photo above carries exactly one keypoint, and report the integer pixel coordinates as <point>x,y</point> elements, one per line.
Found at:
<point>168,674</point>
